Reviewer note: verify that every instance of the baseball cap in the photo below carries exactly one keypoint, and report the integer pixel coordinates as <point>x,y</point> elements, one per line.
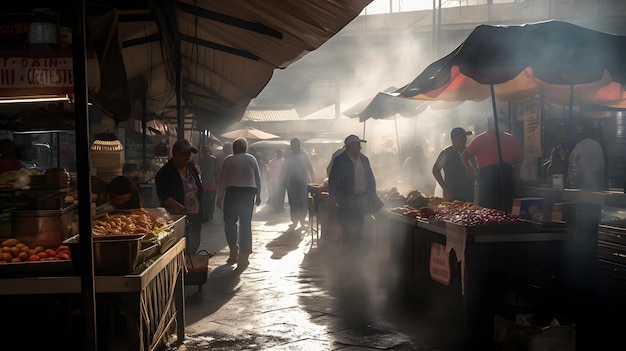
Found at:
<point>458,132</point>
<point>353,139</point>
<point>183,145</point>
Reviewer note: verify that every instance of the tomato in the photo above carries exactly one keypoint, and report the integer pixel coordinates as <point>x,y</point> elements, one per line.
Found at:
<point>33,258</point>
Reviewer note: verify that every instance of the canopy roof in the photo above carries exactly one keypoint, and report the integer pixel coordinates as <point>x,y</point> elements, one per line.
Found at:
<point>228,49</point>
<point>557,59</point>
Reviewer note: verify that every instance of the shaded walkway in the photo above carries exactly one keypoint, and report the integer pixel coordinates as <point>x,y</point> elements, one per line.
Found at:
<point>292,296</point>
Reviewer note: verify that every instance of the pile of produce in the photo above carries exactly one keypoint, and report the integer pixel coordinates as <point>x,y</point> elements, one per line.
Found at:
<point>12,251</point>
<point>457,212</point>
<point>391,196</point>
<point>473,216</point>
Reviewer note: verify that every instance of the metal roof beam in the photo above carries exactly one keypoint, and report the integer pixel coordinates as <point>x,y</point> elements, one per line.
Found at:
<point>233,21</point>
<point>143,40</point>
<point>220,47</point>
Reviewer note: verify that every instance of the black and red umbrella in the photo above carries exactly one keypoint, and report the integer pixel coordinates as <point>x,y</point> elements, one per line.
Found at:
<point>562,62</point>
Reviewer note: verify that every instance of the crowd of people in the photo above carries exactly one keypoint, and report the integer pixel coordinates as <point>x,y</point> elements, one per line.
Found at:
<point>232,179</point>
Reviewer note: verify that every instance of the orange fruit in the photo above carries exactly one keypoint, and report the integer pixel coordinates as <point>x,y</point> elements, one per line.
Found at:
<point>15,251</point>
<point>23,256</point>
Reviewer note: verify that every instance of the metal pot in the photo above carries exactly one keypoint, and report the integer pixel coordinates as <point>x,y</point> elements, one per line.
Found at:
<point>112,254</point>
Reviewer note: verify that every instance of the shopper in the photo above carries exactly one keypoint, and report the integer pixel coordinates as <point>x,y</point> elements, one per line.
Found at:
<point>238,191</point>
<point>496,180</point>
<point>179,188</point>
<point>456,184</point>
<point>352,186</point>
<point>587,161</point>
<point>298,170</point>
<point>275,183</point>
<point>208,165</point>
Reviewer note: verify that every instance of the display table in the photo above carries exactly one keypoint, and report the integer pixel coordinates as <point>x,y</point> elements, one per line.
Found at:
<point>150,303</point>
<point>471,274</point>
<point>324,210</point>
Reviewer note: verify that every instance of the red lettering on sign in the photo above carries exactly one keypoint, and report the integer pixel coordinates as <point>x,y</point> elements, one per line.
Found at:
<point>439,264</point>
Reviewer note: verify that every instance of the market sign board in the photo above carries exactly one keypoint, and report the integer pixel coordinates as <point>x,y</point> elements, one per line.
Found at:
<point>530,113</point>
<point>39,72</point>
<point>439,264</point>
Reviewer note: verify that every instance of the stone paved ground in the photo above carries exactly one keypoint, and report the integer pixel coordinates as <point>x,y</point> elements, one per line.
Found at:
<point>294,295</point>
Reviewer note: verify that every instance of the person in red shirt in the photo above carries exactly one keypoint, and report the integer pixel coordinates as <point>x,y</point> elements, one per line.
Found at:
<point>8,161</point>
<point>496,180</point>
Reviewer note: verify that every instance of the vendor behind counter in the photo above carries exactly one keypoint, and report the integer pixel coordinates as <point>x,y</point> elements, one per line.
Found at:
<point>123,194</point>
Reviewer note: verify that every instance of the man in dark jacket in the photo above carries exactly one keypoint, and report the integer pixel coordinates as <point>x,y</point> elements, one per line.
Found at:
<point>179,188</point>
<point>352,185</point>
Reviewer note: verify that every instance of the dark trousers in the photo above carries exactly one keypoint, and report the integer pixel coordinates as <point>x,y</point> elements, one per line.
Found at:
<point>209,203</point>
<point>496,191</point>
<point>239,206</point>
<point>298,194</point>
<point>351,217</point>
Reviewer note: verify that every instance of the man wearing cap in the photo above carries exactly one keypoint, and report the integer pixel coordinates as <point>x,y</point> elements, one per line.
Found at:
<point>496,178</point>
<point>455,183</point>
<point>179,188</point>
<point>350,183</point>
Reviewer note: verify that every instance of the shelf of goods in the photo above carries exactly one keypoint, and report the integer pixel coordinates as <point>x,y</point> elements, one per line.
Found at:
<point>139,311</point>
<point>144,295</point>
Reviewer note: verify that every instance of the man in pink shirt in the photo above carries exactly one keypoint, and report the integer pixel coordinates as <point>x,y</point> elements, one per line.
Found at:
<point>496,180</point>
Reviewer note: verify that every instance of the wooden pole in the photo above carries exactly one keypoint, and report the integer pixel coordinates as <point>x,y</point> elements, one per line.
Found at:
<point>83,163</point>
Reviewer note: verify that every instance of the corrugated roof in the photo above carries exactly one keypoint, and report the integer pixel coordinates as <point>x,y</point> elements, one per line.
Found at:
<point>327,112</point>
<point>269,114</point>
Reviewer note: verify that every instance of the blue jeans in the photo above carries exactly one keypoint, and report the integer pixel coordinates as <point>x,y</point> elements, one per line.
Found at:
<point>298,194</point>
<point>239,206</point>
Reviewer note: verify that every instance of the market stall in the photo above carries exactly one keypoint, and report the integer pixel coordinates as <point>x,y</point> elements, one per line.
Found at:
<point>137,290</point>
<point>471,272</point>
<point>138,310</point>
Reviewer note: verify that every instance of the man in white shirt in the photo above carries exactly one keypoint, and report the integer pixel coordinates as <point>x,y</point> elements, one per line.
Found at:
<point>297,171</point>
<point>587,163</point>
<point>239,189</point>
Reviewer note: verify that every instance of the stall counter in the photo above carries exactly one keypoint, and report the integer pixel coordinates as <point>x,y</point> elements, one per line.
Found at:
<point>154,298</point>
<point>485,268</point>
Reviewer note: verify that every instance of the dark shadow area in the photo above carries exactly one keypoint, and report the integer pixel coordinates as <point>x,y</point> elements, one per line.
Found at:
<point>286,242</point>
<point>220,288</point>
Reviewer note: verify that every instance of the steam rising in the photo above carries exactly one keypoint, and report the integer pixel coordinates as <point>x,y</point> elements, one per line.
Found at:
<point>362,70</point>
